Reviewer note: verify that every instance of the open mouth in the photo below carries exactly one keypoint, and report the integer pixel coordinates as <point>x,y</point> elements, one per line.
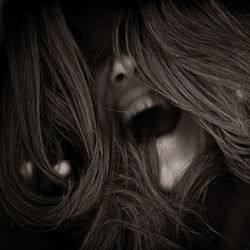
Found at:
<point>139,113</point>
<point>150,117</point>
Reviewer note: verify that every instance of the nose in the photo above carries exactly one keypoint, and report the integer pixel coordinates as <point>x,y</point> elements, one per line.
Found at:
<point>124,87</point>
<point>117,85</point>
<point>123,70</point>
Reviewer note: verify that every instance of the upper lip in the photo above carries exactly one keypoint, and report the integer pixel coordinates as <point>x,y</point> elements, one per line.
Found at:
<point>126,98</point>
<point>138,105</point>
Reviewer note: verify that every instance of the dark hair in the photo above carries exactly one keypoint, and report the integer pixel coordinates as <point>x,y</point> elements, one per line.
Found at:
<point>195,55</point>
<point>46,105</point>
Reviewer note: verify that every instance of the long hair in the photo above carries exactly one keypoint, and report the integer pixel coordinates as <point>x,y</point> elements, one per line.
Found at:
<point>47,116</point>
<point>194,55</point>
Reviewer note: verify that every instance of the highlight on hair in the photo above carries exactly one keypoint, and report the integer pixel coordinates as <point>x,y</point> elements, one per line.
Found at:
<point>195,55</point>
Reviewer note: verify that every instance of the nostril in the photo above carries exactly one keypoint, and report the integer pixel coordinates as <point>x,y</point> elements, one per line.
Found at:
<point>120,77</point>
<point>122,69</point>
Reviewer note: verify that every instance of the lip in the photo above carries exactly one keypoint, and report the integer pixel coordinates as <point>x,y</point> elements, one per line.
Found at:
<point>144,101</point>
<point>129,94</point>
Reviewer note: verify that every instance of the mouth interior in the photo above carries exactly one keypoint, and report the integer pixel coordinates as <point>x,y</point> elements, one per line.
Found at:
<point>154,122</point>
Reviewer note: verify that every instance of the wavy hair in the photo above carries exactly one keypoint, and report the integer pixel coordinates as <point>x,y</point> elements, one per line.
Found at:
<point>195,55</point>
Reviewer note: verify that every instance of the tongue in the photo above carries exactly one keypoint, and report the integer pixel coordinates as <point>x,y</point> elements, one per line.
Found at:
<point>153,123</point>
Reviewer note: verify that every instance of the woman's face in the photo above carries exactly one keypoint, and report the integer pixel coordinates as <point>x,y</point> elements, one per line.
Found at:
<point>148,118</point>
<point>141,114</point>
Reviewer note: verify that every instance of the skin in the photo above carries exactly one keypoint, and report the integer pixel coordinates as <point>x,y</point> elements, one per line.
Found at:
<point>177,150</point>
<point>63,168</point>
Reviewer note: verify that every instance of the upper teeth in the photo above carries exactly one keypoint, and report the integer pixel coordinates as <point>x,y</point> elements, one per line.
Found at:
<point>138,106</point>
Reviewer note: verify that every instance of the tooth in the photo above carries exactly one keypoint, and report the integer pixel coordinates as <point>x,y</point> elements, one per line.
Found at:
<point>138,106</point>
<point>148,103</point>
<point>144,104</point>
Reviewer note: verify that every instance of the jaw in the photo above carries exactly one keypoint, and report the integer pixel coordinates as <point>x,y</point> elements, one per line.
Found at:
<point>177,150</point>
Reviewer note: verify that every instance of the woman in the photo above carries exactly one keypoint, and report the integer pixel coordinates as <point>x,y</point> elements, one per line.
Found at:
<point>164,186</point>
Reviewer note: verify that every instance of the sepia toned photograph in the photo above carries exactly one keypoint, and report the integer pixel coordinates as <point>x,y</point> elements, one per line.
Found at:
<point>124,125</point>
